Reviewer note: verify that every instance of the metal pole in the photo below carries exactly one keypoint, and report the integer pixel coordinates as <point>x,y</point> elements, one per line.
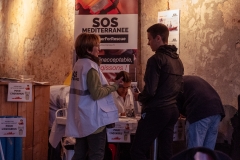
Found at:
<point>155,149</point>
<point>1,151</point>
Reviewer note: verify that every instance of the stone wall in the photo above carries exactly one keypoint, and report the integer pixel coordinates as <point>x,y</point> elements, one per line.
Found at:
<point>37,38</point>
<point>209,33</point>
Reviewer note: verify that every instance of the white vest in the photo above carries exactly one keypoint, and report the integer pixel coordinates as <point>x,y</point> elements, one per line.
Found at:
<point>84,115</point>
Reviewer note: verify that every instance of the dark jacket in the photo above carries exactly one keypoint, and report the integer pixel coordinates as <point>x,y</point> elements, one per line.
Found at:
<point>163,78</point>
<point>199,100</point>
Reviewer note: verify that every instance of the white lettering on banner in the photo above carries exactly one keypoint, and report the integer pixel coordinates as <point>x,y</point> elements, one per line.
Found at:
<point>105,30</point>
<point>116,60</point>
<point>103,45</point>
<point>113,68</point>
<point>112,38</point>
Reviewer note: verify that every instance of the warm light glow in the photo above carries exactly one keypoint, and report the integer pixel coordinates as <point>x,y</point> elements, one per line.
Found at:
<point>34,28</point>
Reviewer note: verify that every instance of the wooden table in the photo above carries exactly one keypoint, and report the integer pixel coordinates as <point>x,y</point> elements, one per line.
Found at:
<point>35,144</point>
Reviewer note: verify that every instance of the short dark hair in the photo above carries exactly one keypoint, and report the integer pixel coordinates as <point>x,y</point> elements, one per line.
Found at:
<point>159,29</point>
<point>125,75</point>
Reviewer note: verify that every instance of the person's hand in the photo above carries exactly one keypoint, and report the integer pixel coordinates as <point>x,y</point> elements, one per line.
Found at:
<point>119,81</point>
<point>181,116</point>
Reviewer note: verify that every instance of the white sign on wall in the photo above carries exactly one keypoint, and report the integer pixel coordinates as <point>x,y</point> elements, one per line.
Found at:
<point>171,19</point>
<point>12,127</point>
<point>19,92</point>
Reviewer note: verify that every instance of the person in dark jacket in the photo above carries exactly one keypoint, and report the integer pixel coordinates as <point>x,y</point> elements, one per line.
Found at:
<point>201,105</point>
<point>163,80</point>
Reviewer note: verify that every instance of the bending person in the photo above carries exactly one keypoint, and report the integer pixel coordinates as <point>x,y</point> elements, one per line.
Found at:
<point>203,109</point>
<point>91,105</point>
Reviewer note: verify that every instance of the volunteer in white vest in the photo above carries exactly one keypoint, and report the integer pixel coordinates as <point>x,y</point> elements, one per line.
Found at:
<point>91,105</point>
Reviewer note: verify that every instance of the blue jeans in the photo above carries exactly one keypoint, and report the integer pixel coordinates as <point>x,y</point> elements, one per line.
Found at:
<point>203,133</point>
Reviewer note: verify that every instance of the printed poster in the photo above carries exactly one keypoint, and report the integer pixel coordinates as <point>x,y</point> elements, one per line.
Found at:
<point>122,130</point>
<point>116,22</point>
<point>19,92</point>
<point>12,127</point>
<point>120,133</point>
<point>115,33</point>
<point>171,19</point>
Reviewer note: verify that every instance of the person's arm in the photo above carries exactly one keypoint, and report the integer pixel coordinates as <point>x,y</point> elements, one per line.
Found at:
<point>97,91</point>
<point>151,79</point>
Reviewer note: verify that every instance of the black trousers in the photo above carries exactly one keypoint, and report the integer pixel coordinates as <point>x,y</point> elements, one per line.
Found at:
<point>158,122</point>
<point>54,153</point>
<point>92,146</point>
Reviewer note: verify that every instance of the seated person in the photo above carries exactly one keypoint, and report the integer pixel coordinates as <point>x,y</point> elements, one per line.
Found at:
<point>124,101</point>
<point>58,100</point>
<point>123,97</point>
